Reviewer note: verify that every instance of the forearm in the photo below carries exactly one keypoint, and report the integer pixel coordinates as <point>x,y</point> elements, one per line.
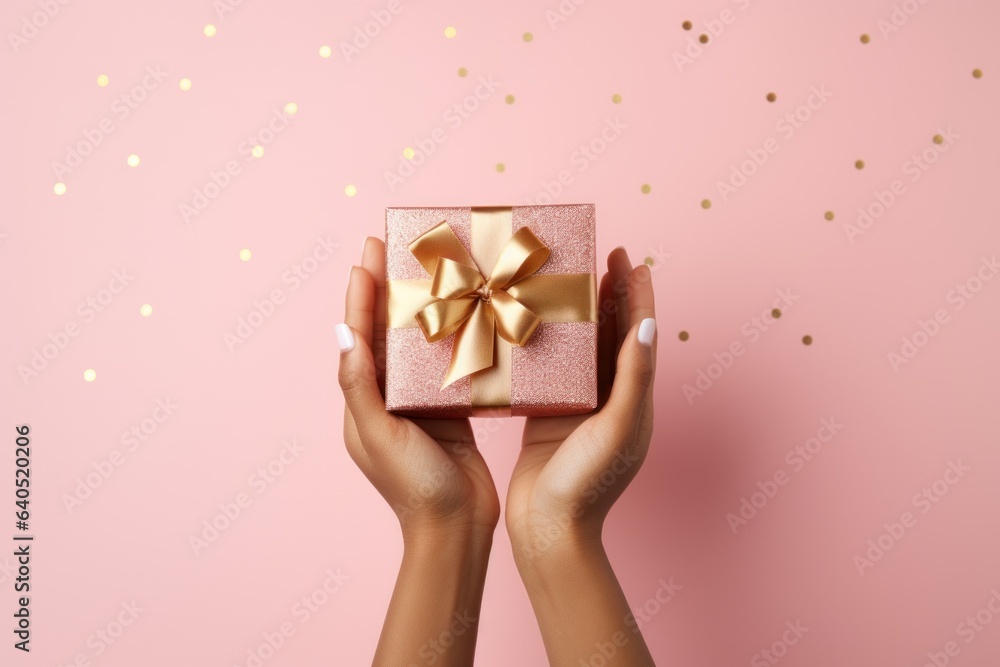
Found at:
<point>433,617</point>
<point>580,607</point>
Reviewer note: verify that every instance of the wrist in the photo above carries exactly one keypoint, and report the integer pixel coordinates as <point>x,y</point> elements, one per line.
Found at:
<point>550,543</point>
<point>474,522</point>
<point>452,540</point>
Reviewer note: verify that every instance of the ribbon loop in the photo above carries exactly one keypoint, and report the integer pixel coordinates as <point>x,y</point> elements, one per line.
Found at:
<point>440,319</point>
<point>440,241</point>
<point>521,255</point>
<point>453,280</point>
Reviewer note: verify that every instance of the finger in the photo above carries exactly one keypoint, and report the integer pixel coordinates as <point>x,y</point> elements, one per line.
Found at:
<point>606,335</point>
<point>640,295</point>
<point>359,303</point>
<point>373,261</point>
<point>633,378</point>
<point>377,428</point>
<point>641,304</point>
<point>620,267</point>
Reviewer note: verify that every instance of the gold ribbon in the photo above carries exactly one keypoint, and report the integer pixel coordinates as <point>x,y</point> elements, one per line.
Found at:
<point>480,310</point>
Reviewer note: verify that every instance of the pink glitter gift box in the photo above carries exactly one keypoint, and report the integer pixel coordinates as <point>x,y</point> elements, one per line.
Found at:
<point>509,293</point>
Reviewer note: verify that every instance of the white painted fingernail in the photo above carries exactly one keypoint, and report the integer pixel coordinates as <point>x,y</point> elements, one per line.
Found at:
<point>647,329</point>
<point>345,337</point>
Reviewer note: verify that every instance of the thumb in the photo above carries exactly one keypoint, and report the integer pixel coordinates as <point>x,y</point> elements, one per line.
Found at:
<point>361,394</point>
<point>634,373</point>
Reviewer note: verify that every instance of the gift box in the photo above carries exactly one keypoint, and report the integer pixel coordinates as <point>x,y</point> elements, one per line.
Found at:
<point>491,311</point>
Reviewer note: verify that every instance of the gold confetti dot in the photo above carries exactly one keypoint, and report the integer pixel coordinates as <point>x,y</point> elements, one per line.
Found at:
<point>209,30</point>
<point>683,335</point>
<point>807,340</point>
<point>450,32</point>
<point>145,310</point>
<point>184,84</point>
<point>245,254</point>
<point>408,153</point>
<point>258,151</point>
<point>462,71</point>
<point>616,98</point>
<point>132,160</point>
<point>325,51</point>
<point>977,73</point>
<point>500,167</point>
<point>527,37</point>
<point>646,188</point>
<point>859,164</point>
<point>89,375</point>
<point>59,188</point>
<point>706,204</point>
<point>687,25</point>
<point>509,99</point>
<point>865,39</point>
<point>102,80</point>
<point>938,139</point>
<point>771,97</point>
<point>350,190</point>
<point>291,108</point>
<point>776,313</point>
<point>828,215</point>
<point>648,261</point>
<point>703,38</point>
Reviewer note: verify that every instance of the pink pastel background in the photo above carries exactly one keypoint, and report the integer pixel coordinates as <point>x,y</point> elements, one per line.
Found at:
<point>681,127</point>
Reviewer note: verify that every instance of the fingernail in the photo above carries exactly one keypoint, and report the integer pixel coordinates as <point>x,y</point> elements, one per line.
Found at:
<point>350,272</point>
<point>647,329</point>
<point>345,337</point>
<point>364,244</point>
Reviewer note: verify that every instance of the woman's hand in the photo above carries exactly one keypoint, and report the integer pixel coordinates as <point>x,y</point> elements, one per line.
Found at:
<point>569,474</point>
<point>572,469</point>
<point>428,470</point>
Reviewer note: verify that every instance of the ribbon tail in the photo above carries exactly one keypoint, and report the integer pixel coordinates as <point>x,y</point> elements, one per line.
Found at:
<point>514,322</point>
<point>473,347</point>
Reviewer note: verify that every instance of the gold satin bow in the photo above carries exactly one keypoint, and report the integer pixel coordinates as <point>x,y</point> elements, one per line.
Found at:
<point>474,307</point>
